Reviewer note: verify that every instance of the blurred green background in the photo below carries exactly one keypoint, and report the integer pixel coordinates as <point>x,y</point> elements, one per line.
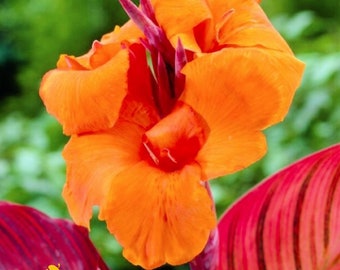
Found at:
<point>33,34</point>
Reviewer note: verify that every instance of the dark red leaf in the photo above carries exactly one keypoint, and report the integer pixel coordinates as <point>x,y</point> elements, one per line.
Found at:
<point>289,221</point>
<point>32,240</point>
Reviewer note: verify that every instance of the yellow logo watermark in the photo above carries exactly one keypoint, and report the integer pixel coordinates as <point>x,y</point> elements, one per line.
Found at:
<point>53,267</point>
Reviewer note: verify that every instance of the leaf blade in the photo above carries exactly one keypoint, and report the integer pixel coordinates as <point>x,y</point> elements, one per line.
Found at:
<point>32,240</point>
<point>289,221</point>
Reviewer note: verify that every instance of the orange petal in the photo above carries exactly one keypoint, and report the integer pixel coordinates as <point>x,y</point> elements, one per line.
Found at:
<point>94,160</point>
<point>188,40</point>
<point>228,151</point>
<point>238,23</point>
<point>86,100</point>
<point>108,46</point>
<point>67,62</point>
<point>261,82</point>
<point>159,217</point>
<point>248,26</point>
<point>102,53</point>
<point>129,32</point>
<point>177,17</point>
<point>239,92</point>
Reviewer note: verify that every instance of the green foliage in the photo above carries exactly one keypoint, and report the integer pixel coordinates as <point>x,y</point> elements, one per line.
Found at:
<point>33,34</point>
<point>39,31</point>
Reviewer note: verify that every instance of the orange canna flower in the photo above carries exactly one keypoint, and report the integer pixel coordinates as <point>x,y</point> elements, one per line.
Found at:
<point>147,136</point>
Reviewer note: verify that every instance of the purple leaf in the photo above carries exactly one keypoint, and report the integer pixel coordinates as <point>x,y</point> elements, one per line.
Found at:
<point>154,34</point>
<point>148,10</point>
<point>289,221</point>
<point>152,31</point>
<point>208,258</point>
<point>32,240</point>
<point>180,62</point>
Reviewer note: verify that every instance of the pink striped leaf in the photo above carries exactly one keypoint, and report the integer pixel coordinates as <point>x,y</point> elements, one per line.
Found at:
<point>31,240</point>
<point>289,221</point>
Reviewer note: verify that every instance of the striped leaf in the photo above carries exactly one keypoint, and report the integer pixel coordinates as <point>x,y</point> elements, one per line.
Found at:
<point>32,240</point>
<point>289,221</point>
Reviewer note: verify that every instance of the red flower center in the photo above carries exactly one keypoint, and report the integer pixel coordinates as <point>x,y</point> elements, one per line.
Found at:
<point>175,140</point>
<point>166,61</point>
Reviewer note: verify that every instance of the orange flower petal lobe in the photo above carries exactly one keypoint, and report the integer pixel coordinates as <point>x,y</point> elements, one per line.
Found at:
<point>178,17</point>
<point>176,139</point>
<point>239,92</point>
<point>237,24</point>
<point>102,53</point>
<point>159,217</point>
<point>248,26</point>
<point>128,32</point>
<point>67,62</point>
<point>86,100</point>
<point>93,160</point>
